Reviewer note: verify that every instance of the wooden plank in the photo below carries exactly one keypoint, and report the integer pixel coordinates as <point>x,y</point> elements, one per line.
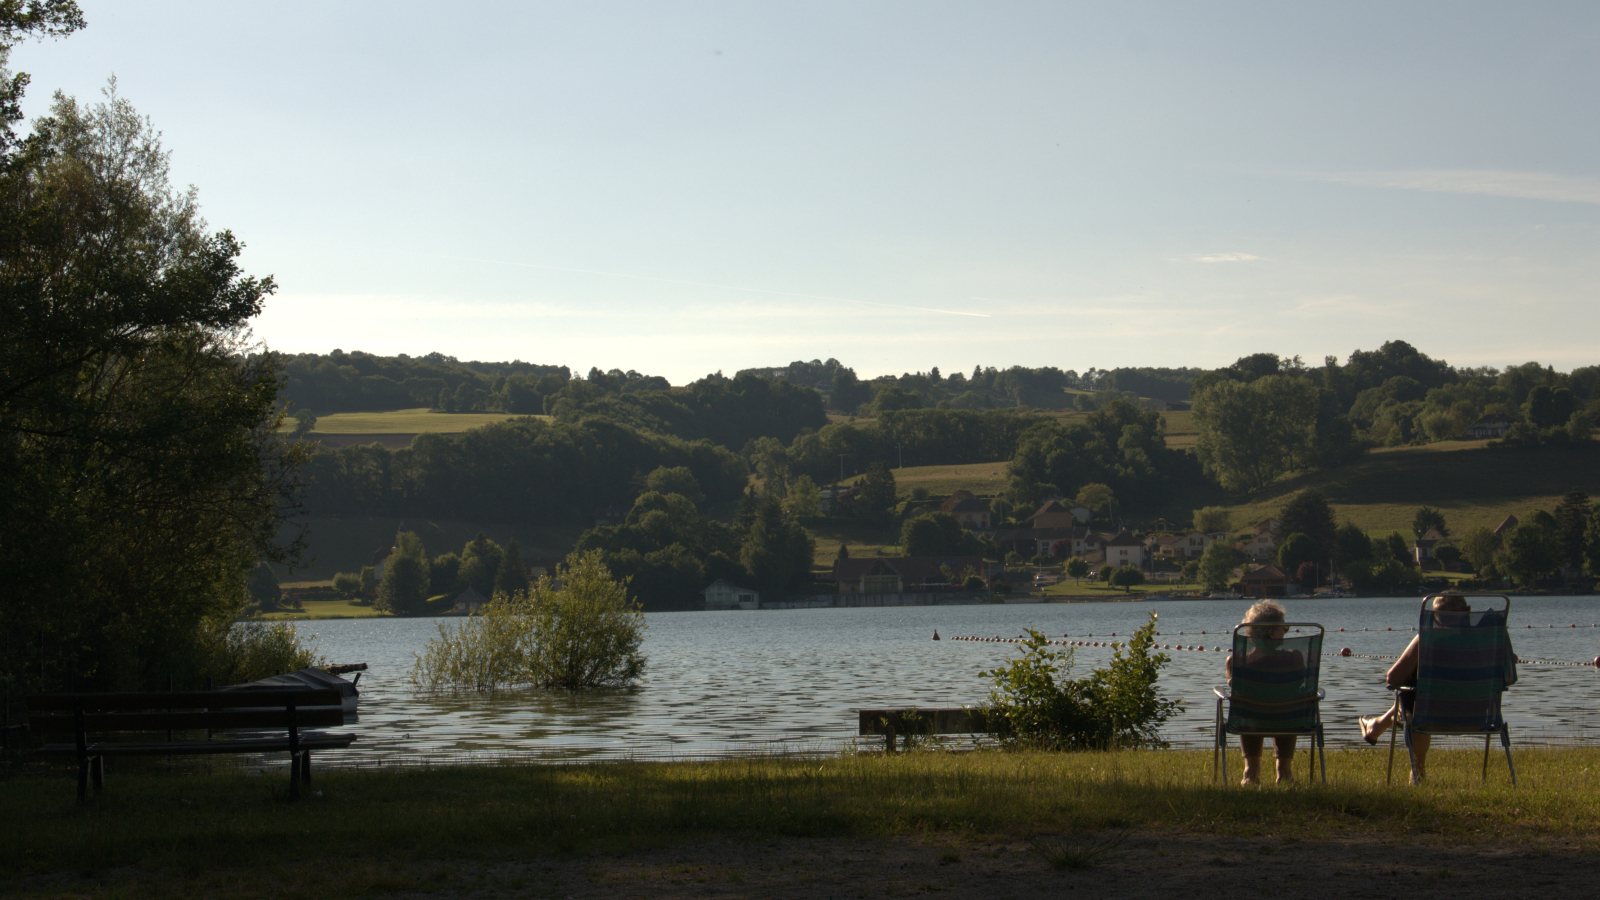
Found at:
<point>202,748</point>
<point>316,717</point>
<point>184,700</point>
<point>958,720</point>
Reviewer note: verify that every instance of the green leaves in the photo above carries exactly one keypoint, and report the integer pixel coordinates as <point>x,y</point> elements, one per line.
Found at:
<point>1035,702</point>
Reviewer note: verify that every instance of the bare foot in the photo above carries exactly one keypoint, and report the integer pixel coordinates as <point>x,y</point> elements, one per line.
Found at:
<point>1248,781</point>
<point>1369,728</point>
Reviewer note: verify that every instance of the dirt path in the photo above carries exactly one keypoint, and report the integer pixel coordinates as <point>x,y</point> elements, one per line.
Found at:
<point>1142,866</point>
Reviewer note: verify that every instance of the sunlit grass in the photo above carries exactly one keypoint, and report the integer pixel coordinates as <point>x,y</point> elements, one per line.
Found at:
<point>402,421</point>
<point>489,812</point>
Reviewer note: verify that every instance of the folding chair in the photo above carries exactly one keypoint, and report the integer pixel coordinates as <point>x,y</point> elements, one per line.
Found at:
<point>1464,664</point>
<point>1274,690</point>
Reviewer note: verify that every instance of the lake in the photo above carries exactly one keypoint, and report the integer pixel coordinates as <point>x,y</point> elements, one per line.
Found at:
<point>721,683</point>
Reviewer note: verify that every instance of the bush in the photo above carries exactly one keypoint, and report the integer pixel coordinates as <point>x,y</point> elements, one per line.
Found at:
<point>584,633</point>
<point>348,582</point>
<point>232,652</point>
<point>973,583</point>
<point>1034,703</point>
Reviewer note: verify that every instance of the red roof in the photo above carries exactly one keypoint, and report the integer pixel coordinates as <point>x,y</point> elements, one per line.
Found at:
<point>1265,573</point>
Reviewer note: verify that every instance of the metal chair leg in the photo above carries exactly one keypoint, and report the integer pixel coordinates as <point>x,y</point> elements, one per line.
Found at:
<point>1394,732</point>
<point>305,767</point>
<point>97,773</point>
<point>1486,738</point>
<point>1505,741</point>
<point>1216,743</point>
<point>1322,754</point>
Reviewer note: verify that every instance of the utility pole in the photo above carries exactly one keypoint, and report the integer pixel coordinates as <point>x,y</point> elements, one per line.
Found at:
<point>841,467</point>
<point>902,449</point>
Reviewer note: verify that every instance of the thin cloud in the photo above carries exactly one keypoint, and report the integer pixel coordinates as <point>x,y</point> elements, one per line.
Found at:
<point>1521,185</point>
<point>1224,257</point>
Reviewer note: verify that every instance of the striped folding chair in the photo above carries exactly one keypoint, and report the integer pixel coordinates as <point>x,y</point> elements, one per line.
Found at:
<point>1274,690</point>
<point>1464,664</point>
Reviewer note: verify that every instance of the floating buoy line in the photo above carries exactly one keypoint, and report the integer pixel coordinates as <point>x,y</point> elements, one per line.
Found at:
<point>1065,641</point>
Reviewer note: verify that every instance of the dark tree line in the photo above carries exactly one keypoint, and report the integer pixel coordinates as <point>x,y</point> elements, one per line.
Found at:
<point>521,470</point>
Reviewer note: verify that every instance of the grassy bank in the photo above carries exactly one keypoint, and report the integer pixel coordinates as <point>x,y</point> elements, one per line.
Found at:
<point>157,820</point>
<point>327,609</point>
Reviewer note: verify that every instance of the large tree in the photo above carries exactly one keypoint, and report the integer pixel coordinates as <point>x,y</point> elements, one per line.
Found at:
<point>144,475</point>
<point>1250,433</point>
<point>1308,513</point>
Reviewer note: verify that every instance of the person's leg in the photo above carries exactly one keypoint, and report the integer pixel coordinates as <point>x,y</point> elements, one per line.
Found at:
<point>1419,747</point>
<point>1283,753</point>
<point>1373,727</point>
<point>1251,745</point>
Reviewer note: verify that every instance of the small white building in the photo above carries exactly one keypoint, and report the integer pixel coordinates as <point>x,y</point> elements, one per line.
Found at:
<point>470,601</point>
<point>722,595</point>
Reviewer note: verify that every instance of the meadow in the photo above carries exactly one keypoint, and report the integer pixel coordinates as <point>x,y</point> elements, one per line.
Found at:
<point>402,421</point>
<point>465,830</point>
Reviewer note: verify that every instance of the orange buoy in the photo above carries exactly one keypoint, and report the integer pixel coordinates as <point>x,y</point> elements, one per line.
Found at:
<point>1345,652</point>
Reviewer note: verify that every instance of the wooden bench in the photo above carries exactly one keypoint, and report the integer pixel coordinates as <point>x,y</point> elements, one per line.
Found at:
<point>914,722</point>
<point>83,715</point>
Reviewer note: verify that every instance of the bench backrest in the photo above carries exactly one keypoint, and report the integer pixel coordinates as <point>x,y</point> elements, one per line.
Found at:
<point>959,720</point>
<point>184,710</point>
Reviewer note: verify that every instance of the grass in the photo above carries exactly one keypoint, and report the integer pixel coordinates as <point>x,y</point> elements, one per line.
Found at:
<point>402,421</point>
<point>1470,484</point>
<point>428,830</point>
<point>326,609</point>
<point>346,543</point>
<point>984,479</point>
<point>862,538</point>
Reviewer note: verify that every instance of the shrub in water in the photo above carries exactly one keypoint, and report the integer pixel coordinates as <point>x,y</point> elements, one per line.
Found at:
<point>1034,702</point>
<point>577,630</point>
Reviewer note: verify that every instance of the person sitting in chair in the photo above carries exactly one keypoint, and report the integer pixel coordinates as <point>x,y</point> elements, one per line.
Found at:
<point>1267,617</point>
<point>1404,674</point>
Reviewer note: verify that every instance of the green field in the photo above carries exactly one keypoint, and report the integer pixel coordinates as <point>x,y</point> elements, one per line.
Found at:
<point>1471,484</point>
<point>346,543</point>
<point>1181,430</point>
<point>402,421</point>
<point>327,609</point>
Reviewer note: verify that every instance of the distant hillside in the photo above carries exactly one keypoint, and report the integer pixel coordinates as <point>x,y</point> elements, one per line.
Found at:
<point>1472,484</point>
<point>346,543</point>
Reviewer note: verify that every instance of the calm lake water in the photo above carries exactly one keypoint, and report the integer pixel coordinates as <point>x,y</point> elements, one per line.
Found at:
<point>721,683</point>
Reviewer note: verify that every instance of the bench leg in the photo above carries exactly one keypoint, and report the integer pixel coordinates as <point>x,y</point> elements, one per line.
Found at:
<point>294,776</point>
<point>97,773</point>
<point>305,767</point>
<point>83,779</point>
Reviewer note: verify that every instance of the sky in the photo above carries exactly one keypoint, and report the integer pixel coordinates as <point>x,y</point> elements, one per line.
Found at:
<point>686,188</point>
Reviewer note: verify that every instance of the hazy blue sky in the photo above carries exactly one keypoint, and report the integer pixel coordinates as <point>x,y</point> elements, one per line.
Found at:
<point>682,188</point>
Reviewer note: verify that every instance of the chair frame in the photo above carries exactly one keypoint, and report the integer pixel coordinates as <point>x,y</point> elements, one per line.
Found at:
<point>1409,726</point>
<point>1219,753</point>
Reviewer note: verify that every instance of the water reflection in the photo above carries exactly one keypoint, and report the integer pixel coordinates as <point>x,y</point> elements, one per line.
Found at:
<point>777,681</point>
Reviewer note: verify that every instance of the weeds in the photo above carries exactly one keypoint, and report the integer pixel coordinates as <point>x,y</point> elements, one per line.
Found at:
<point>1074,855</point>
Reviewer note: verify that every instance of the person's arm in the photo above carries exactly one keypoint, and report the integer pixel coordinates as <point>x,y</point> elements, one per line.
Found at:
<point>1227,667</point>
<point>1405,666</point>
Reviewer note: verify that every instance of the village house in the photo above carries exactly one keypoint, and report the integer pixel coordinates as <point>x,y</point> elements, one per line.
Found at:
<point>1266,581</point>
<point>1267,526</point>
<point>720,594</point>
<point>1423,546</point>
<point>971,512</point>
<point>469,601</point>
<point>899,574</point>
<point>1123,549</point>
<point>1182,546</point>
<point>1494,425</point>
<point>1053,514</point>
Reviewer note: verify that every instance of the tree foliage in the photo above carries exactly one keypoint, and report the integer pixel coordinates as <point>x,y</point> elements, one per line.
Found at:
<point>1427,517</point>
<point>144,476</point>
<point>938,534</point>
<point>1216,567</point>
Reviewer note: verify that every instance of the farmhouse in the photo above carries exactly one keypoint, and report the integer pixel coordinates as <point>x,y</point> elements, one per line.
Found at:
<point>1493,425</point>
<point>1267,581</point>
<point>720,594</point>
